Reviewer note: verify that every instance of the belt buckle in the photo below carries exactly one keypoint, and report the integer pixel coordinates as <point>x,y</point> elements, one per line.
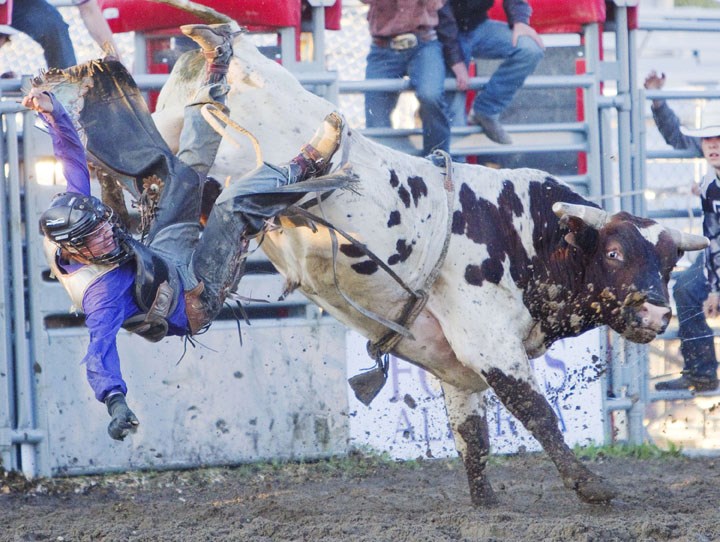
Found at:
<point>402,42</point>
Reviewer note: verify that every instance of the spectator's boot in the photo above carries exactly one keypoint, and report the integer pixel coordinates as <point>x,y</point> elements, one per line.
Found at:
<point>689,382</point>
<point>243,209</point>
<point>491,126</point>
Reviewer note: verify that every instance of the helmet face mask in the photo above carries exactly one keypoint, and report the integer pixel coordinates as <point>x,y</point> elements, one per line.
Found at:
<point>96,246</point>
<point>85,229</point>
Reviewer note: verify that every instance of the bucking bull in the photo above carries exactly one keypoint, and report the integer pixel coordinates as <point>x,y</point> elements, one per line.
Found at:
<point>460,269</point>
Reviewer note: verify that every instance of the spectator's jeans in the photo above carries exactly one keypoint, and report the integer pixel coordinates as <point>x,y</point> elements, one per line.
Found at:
<point>425,66</point>
<point>493,40</point>
<point>44,24</point>
<point>696,338</point>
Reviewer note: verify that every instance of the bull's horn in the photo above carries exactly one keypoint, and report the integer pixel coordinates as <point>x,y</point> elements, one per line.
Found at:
<point>688,241</point>
<point>592,216</point>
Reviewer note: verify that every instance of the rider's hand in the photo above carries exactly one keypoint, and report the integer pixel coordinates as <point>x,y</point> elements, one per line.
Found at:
<point>710,306</point>
<point>653,81</point>
<point>124,420</point>
<point>38,100</point>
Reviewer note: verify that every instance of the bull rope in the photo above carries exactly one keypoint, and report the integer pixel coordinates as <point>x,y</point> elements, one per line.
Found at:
<point>399,328</point>
<point>211,114</point>
<point>417,302</point>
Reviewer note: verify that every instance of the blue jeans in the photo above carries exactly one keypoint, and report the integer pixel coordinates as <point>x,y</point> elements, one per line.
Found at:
<point>493,40</point>
<point>425,66</point>
<point>44,24</point>
<point>697,343</point>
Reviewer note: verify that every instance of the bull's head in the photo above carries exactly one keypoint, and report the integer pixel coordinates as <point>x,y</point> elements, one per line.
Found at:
<point>628,261</point>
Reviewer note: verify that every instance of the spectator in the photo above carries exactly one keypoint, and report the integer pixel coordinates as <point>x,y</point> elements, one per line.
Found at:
<point>176,282</point>
<point>696,295</point>
<point>516,42</point>
<point>405,42</point>
<point>44,24</point>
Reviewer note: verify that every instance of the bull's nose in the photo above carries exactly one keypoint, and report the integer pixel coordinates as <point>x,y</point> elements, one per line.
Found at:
<point>654,317</point>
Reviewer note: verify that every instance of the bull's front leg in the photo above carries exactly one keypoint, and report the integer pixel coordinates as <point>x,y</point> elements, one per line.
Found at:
<point>529,406</point>
<point>468,420</point>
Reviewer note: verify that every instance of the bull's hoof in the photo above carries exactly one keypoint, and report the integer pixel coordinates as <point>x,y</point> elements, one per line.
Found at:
<point>595,491</point>
<point>482,495</point>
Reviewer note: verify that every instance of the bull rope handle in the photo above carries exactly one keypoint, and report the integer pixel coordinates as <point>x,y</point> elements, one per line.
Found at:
<point>211,114</point>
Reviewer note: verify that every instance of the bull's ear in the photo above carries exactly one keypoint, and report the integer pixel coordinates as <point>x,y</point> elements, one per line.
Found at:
<point>581,235</point>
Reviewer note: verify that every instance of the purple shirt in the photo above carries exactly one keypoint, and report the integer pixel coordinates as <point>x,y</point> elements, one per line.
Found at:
<point>108,301</point>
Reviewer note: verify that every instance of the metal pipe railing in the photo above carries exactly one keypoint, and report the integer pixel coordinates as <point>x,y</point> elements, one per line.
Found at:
<point>7,369</point>
<point>24,389</point>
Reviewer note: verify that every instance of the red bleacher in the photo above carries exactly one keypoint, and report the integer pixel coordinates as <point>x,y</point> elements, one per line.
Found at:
<point>144,16</point>
<point>6,17</point>
<point>565,16</point>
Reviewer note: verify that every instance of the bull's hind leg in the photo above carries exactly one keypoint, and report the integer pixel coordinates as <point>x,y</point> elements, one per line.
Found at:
<point>468,420</point>
<point>532,409</point>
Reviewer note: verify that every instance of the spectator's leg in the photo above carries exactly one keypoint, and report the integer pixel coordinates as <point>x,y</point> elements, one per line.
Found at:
<point>44,24</point>
<point>427,75</point>
<point>493,40</point>
<point>383,63</point>
<point>697,340</point>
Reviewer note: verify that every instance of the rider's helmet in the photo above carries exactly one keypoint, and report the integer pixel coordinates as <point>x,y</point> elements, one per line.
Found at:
<point>86,229</point>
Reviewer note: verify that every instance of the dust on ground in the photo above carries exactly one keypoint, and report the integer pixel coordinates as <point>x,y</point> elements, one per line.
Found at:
<point>367,499</point>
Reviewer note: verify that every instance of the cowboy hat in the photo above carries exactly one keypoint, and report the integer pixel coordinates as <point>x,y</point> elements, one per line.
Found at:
<point>8,30</point>
<point>710,124</point>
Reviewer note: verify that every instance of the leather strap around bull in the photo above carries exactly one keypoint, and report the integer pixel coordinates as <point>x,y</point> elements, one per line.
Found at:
<point>399,328</point>
<point>417,298</point>
<point>414,306</point>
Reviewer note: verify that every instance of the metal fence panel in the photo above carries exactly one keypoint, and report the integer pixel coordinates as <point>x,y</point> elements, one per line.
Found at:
<point>282,394</point>
<point>279,395</point>
<point>6,359</point>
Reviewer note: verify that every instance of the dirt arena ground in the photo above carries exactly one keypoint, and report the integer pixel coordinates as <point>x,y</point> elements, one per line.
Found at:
<point>366,500</point>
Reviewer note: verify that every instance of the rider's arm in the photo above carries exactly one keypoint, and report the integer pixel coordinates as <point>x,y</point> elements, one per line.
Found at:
<point>68,148</point>
<point>107,303</point>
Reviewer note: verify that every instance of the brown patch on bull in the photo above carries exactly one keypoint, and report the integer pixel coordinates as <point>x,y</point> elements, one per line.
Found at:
<point>394,219</point>
<point>403,252</point>
<point>535,413</point>
<point>474,431</point>
<point>490,270</point>
<point>486,223</point>
<point>351,251</point>
<point>368,267</point>
<point>404,196</point>
<point>190,65</point>
<point>418,188</point>
<point>394,181</point>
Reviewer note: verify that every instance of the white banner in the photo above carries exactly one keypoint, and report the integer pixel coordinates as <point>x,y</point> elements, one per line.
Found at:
<point>407,419</point>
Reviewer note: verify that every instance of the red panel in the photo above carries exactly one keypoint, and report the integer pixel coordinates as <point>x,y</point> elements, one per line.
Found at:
<point>6,12</point>
<point>144,15</point>
<point>141,15</point>
<point>580,68</point>
<point>633,18</point>
<point>558,16</point>
<point>333,15</point>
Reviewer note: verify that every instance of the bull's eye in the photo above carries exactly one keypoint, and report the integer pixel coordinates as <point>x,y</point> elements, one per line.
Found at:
<point>614,255</point>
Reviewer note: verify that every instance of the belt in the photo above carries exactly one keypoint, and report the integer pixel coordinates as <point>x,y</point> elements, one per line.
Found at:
<point>402,42</point>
